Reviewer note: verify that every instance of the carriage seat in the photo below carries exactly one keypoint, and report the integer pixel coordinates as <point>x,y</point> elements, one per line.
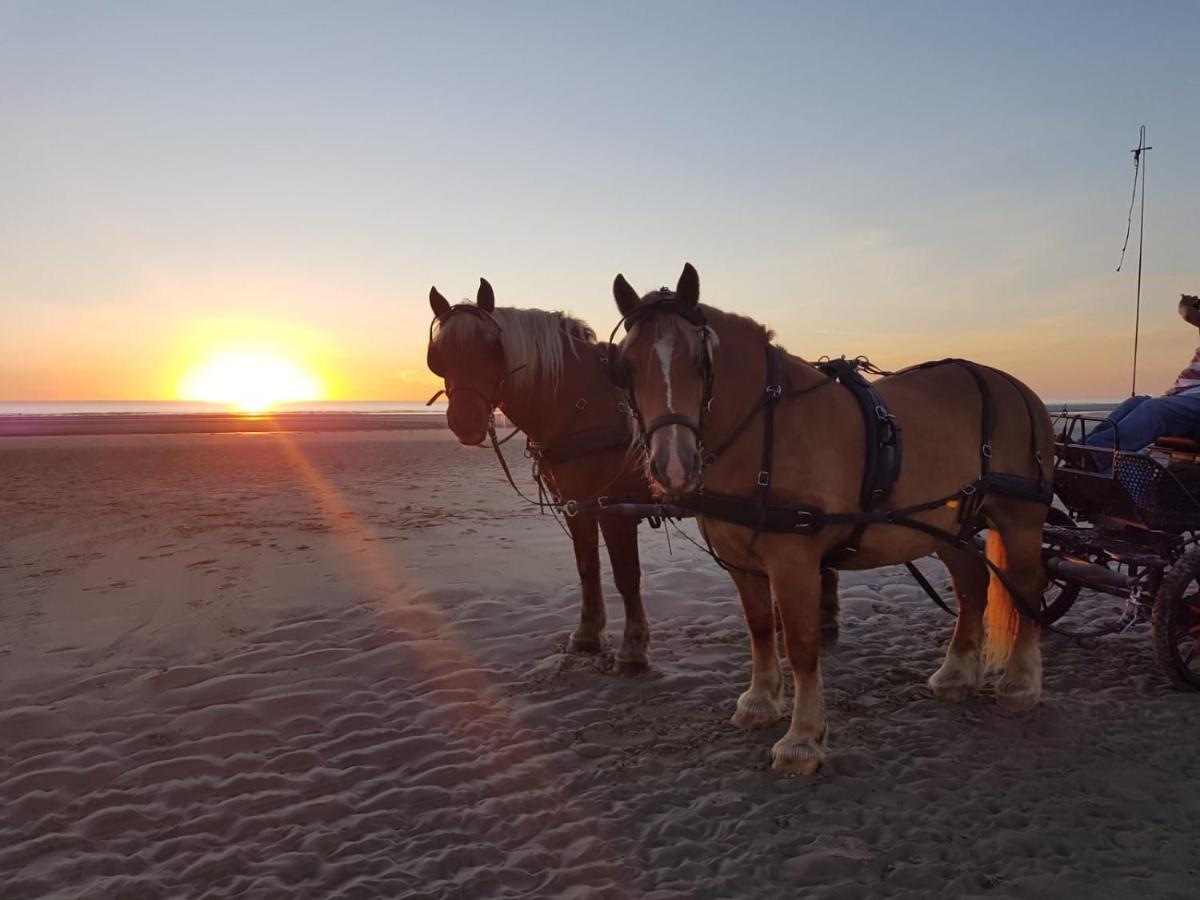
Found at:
<point>1183,444</point>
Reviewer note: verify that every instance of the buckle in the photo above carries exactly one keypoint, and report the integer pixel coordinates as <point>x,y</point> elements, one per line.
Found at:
<point>581,403</point>
<point>804,519</point>
<point>968,490</point>
<point>987,451</point>
<point>764,478</point>
<point>600,501</point>
<point>882,414</point>
<point>571,508</point>
<point>623,407</point>
<point>774,391</point>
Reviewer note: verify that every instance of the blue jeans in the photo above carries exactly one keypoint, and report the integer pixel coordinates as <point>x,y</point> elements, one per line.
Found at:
<point>1141,420</point>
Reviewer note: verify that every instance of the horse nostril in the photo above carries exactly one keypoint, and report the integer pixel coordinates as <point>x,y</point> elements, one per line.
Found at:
<point>655,472</point>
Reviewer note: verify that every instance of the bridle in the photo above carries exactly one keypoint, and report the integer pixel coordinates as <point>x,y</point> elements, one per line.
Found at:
<point>666,301</point>
<point>493,399</point>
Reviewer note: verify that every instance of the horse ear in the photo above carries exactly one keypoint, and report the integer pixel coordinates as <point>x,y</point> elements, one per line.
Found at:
<point>688,288</point>
<point>439,304</point>
<point>485,297</point>
<point>627,298</point>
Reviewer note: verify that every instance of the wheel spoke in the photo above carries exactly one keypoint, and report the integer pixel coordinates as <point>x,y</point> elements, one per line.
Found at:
<point>1191,653</point>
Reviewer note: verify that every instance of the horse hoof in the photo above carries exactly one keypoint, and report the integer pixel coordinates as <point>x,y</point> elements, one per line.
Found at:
<point>829,636</point>
<point>952,688</point>
<point>758,712</point>
<point>631,668</point>
<point>952,693</point>
<point>1016,698</point>
<point>585,646</point>
<point>792,757</point>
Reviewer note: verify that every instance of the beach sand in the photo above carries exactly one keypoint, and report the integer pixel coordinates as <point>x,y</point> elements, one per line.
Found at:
<point>321,665</point>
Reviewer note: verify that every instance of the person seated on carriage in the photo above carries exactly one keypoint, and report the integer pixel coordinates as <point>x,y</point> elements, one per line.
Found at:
<point>1140,421</point>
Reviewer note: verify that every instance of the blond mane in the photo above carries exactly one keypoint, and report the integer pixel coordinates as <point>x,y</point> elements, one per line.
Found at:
<point>534,341</point>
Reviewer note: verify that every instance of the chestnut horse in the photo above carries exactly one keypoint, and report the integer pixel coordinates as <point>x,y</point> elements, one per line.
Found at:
<point>548,375</point>
<point>697,375</point>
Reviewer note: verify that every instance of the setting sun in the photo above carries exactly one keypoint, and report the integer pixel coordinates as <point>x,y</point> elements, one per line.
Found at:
<point>251,380</point>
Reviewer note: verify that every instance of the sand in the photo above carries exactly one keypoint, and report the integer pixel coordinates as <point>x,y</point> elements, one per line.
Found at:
<point>209,423</point>
<point>329,665</point>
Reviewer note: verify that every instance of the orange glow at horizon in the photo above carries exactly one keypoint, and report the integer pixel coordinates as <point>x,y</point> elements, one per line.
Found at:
<point>254,381</point>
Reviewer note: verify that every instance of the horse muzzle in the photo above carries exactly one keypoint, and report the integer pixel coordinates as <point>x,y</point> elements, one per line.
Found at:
<point>674,461</point>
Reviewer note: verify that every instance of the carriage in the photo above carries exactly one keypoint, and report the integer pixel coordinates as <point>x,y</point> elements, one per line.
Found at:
<point>1127,525</point>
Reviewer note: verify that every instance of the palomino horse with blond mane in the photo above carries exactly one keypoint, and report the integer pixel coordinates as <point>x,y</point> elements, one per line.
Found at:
<point>550,378</point>
<point>790,467</point>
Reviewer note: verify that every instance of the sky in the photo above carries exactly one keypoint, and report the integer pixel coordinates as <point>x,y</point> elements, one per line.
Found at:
<point>905,181</point>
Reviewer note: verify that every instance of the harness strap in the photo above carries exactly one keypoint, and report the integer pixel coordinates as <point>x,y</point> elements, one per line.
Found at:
<point>579,444</point>
<point>987,416</point>
<point>928,588</point>
<point>882,459</point>
<point>540,502</point>
<point>771,395</point>
<point>666,419</point>
<point>711,456</point>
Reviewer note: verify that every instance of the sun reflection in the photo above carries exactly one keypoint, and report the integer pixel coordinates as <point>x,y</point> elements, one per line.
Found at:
<point>253,381</point>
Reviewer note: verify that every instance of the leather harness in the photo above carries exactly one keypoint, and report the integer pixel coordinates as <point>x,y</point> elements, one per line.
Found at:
<point>883,461</point>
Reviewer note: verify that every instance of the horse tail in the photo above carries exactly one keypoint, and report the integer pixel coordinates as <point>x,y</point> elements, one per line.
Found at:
<point>1003,620</point>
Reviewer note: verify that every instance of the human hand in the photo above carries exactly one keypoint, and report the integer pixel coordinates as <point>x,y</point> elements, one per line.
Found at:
<point>1189,309</point>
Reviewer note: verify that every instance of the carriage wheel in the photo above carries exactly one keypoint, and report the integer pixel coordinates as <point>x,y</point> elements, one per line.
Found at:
<point>1177,622</point>
<point>1058,597</point>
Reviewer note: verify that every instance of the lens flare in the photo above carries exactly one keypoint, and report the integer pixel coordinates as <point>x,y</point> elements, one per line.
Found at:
<point>251,381</point>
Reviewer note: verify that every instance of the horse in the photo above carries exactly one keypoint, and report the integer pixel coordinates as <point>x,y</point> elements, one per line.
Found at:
<point>548,375</point>
<point>783,499</point>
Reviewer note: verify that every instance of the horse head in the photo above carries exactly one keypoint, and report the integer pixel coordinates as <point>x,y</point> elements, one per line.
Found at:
<point>466,351</point>
<point>665,363</point>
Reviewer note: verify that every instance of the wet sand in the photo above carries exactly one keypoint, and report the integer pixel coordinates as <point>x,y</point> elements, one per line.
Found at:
<point>314,665</point>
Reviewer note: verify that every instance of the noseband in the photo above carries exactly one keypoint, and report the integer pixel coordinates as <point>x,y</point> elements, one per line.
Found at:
<point>666,301</point>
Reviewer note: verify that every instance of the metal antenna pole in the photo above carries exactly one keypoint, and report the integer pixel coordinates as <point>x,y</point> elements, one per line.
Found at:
<point>1139,158</point>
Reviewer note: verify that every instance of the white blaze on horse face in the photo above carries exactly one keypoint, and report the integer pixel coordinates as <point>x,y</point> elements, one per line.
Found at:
<point>664,348</point>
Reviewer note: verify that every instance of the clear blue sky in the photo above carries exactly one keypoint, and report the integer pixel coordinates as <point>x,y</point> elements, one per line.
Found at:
<point>903,180</point>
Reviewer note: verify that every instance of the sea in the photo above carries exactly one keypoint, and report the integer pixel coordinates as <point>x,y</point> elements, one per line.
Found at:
<point>188,407</point>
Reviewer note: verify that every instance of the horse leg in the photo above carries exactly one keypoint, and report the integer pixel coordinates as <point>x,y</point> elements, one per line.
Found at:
<point>796,585</point>
<point>829,607</point>
<point>620,534</point>
<point>1014,641</point>
<point>585,535</point>
<point>762,703</point>
<point>961,673</point>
